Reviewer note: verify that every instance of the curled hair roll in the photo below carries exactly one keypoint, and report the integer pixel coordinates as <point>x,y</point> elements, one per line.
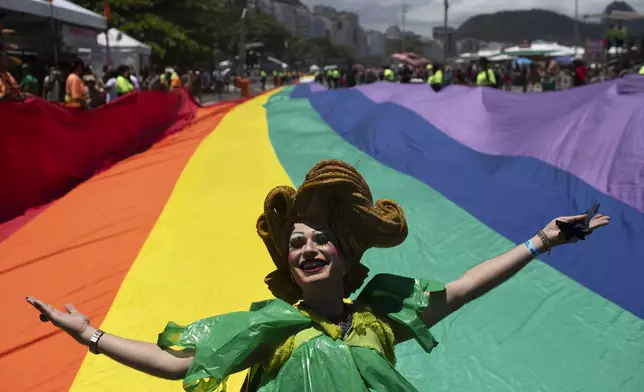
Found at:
<point>333,193</point>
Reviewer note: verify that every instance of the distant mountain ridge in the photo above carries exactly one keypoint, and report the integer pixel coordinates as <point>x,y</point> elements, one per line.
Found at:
<point>514,26</point>
<point>535,24</point>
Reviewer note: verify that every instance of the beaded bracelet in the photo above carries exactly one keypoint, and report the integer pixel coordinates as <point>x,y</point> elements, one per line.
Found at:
<point>546,241</point>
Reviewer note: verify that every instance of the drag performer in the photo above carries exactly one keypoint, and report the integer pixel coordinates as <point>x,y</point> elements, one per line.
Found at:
<point>312,337</point>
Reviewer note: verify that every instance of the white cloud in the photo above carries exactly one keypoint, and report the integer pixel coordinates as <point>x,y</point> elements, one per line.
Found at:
<point>425,14</point>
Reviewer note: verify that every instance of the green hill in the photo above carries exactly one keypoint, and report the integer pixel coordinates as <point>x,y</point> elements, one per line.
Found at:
<point>515,26</point>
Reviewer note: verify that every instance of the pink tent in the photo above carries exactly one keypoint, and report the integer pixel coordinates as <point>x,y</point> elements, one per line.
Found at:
<point>410,58</point>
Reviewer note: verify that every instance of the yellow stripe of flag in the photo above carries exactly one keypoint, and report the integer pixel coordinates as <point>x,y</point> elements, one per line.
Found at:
<point>203,256</point>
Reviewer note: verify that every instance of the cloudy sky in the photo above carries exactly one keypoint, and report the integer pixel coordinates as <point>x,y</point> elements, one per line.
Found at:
<point>423,14</point>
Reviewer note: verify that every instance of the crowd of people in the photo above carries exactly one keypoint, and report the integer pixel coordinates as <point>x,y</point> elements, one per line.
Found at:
<point>277,78</point>
<point>77,85</point>
<point>516,76</point>
<point>80,85</point>
<point>436,75</point>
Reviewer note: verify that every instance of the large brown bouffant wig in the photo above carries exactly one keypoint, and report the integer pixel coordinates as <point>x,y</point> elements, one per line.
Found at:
<point>333,193</point>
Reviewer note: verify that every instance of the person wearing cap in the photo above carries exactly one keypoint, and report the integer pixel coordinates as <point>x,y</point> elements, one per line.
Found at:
<point>312,337</point>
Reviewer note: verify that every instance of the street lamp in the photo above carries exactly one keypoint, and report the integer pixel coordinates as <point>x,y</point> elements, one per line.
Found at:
<point>576,37</point>
<point>446,37</point>
<point>405,8</point>
<point>242,43</point>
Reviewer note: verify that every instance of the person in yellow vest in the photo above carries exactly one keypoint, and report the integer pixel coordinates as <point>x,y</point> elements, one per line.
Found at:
<point>389,74</point>
<point>620,35</point>
<point>641,71</point>
<point>329,78</point>
<point>165,79</point>
<point>486,76</point>
<point>263,75</point>
<point>622,32</point>
<point>615,37</point>
<point>436,80</point>
<point>428,70</point>
<point>335,73</point>
<point>170,79</point>
<point>123,84</point>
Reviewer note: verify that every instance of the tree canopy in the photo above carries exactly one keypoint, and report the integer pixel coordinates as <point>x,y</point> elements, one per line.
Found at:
<point>193,31</point>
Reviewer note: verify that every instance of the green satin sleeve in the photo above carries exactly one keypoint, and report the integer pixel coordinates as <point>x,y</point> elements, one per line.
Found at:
<point>402,299</point>
<point>223,344</point>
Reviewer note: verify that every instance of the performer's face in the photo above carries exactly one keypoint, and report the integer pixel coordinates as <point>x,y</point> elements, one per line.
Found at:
<point>313,256</point>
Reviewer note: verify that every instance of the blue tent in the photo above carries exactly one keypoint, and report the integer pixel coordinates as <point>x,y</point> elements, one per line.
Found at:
<point>522,61</point>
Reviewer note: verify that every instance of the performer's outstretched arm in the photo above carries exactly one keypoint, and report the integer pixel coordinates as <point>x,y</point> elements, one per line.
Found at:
<point>142,356</point>
<point>491,273</point>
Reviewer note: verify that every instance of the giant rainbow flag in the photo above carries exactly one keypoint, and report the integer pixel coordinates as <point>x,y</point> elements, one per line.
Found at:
<point>165,229</point>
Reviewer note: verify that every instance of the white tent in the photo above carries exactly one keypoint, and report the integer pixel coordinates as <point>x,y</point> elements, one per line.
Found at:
<point>62,10</point>
<point>501,57</point>
<point>479,54</point>
<point>124,50</point>
<point>120,41</point>
<point>536,48</point>
<point>568,51</point>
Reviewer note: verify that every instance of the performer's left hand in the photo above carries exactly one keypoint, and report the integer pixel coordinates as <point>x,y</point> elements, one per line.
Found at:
<point>485,276</point>
<point>557,237</point>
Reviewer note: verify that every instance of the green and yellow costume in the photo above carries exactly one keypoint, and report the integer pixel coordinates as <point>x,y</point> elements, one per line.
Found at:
<point>287,347</point>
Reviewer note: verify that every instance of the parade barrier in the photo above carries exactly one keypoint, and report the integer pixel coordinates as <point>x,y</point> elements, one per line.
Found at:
<point>170,234</point>
<point>46,149</point>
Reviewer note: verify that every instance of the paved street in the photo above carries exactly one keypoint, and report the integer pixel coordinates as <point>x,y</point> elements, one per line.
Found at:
<point>233,93</point>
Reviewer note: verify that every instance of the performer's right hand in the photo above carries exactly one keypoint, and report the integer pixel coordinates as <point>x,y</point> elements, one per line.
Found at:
<point>143,356</point>
<point>72,321</point>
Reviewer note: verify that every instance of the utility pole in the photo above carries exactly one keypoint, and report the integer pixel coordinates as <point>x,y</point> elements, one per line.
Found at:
<point>294,38</point>
<point>405,8</point>
<point>242,44</point>
<point>446,37</point>
<point>576,36</point>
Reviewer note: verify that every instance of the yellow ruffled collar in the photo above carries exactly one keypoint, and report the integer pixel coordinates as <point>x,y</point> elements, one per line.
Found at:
<point>363,319</point>
<point>332,329</point>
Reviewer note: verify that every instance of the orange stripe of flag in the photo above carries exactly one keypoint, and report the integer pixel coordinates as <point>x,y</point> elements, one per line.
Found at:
<point>79,250</point>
